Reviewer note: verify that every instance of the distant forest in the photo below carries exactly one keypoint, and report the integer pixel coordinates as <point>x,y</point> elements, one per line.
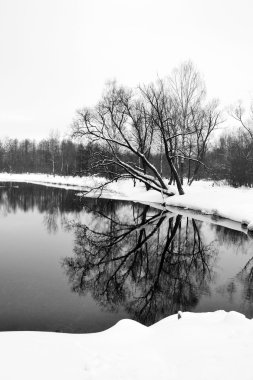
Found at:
<point>56,156</point>
<point>51,156</point>
<point>229,158</point>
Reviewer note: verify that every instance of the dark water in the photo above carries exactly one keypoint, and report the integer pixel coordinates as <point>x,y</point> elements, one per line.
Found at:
<point>79,265</point>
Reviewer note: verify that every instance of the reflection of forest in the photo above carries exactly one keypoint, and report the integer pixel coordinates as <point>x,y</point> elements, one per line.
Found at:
<point>240,286</point>
<point>150,262</point>
<point>27,197</point>
<point>228,236</point>
<point>54,203</point>
<point>243,282</point>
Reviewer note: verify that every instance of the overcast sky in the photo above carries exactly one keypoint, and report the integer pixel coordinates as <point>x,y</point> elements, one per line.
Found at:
<point>56,55</point>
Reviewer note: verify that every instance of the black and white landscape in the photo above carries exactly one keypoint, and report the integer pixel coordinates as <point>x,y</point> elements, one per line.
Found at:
<point>126,199</point>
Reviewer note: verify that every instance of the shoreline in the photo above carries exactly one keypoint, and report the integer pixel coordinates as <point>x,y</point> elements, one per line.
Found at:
<point>203,199</point>
<point>218,343</point>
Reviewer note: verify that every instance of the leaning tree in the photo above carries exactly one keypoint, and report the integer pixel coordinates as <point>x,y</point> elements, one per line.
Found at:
<point>169,117</point>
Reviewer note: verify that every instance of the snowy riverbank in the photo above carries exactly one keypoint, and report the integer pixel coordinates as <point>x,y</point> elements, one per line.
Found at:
<point>204,346</point>
<point>220,201</point>
<point>201,346</point>
<point>203,196</point>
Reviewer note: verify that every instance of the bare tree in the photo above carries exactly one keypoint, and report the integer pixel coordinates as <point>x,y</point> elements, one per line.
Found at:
<point>238,113</point>
<point>168,117</point>
<point>187,92</point>
<point>54,148</point>
<point>121,124</point>
<point>183,119</point>
<point>206,122</point>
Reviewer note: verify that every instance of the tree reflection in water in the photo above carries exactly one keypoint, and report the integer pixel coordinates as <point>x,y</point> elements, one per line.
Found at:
<point>245,276</point>
<point>240,285</point>
<point>148,262</point>
<point>152,263</point>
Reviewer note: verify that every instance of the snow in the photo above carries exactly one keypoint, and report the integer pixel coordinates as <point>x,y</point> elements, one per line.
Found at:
<point>205,197</point>
<point>250,226</point>
<point>70,182</point>
<point>208,198</point>
<point>204,346</point>
<point>74,183</point>
<point>219,201</point>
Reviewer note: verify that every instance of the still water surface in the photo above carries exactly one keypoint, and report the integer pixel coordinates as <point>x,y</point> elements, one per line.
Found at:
<point>79,265</point>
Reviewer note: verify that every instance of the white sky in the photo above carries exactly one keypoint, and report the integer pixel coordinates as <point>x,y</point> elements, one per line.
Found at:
<point>56,55</point>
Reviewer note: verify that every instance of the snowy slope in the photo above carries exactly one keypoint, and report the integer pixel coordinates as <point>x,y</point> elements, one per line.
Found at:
<point>222,201</point>
<point>203,346</point>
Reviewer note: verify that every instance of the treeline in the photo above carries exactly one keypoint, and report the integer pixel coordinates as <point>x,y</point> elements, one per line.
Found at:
<point>52,156</point>
<point>55,156</point>
<point>231,158</point>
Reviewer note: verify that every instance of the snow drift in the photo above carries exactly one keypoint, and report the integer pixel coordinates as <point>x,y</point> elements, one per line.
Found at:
<point>202,346</point>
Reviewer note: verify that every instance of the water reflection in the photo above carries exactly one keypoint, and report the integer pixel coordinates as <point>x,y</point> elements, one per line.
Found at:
<point>152,262</point>
<point>245,276</point>
<point>28,197</point>
<point>55,204</point>
<point>124,260</point>
<point>230,237</point>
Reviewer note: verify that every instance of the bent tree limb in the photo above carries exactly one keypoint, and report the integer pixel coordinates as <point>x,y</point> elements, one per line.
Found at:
<point>133,127</point>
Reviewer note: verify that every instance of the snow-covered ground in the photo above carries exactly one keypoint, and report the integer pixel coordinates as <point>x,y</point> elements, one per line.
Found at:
<point>209,198</point>
<point>218,200</point>
<point>120,189</point>
<point>203,196</point>
<point>203,346</point>
<point>69,182</point>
